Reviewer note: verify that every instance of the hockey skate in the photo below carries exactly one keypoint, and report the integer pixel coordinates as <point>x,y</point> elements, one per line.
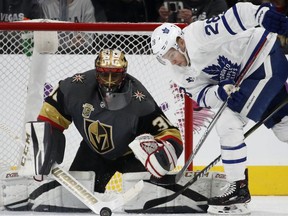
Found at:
<point>233,201</point>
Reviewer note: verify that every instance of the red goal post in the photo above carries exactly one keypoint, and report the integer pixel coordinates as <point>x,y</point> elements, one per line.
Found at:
<point>24,69</point>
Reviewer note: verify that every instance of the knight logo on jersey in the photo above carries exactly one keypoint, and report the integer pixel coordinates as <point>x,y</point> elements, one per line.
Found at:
<point>99,136</point>
<point>87,109</point>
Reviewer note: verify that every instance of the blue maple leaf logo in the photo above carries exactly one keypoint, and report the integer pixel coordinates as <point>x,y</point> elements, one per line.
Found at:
<point>224,70</point>
<point>165,30</point>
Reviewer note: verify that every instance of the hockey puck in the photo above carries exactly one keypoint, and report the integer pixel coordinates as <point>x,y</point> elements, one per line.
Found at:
<point>105,212</point>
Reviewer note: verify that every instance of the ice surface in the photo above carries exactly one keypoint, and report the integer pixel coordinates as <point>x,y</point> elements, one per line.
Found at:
<point>259,206</point>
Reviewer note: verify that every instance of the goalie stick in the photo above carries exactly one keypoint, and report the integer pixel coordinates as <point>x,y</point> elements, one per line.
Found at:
<point>155,202</point>
<point>104,208</point>
<point>173,179</point>
<point>88,198</point>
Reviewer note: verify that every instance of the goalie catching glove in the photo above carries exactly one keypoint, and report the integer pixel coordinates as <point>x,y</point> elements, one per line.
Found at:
<point>158,156</point>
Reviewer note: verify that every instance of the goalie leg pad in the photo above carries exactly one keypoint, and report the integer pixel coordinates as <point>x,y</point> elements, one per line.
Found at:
<point>194,200</point>
<point>25,194</point>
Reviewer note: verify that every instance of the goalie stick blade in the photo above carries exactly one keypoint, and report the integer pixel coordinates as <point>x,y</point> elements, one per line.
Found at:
<point>132,192</point>
<point>87,197</point>
<point>165,180</point>
<point>120,201</point>
<point>158,201</point>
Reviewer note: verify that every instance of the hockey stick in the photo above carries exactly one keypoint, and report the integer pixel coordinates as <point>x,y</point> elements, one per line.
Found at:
<point>104,208</point>
<point>155,202</point>
<point>173,179</point>
<point>88,198</point>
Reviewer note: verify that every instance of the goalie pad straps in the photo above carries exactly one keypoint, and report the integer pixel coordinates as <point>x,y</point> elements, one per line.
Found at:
<point>158,156</point>
<point>48,146</point>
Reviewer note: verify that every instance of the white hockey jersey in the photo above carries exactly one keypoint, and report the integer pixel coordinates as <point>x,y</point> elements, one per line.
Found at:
<point>219,48</point>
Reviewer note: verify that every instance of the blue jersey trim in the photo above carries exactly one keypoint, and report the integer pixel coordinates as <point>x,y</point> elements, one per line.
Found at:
<point>238,18</point>
<point>227,26</point>
<point>202,93</point>
<point>234,147</point>
<point>234,161</point>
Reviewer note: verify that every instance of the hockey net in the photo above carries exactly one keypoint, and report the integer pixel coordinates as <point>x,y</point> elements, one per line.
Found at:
<point>22,67</point>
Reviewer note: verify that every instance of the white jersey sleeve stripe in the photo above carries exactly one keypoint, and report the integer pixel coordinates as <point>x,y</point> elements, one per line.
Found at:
<point>226,25</point>
<point>236,14</point>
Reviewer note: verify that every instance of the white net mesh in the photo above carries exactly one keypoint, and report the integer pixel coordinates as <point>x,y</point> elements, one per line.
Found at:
<point>76,53</point>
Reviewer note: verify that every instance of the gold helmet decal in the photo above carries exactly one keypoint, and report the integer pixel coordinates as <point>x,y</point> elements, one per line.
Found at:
<point>111,66</point>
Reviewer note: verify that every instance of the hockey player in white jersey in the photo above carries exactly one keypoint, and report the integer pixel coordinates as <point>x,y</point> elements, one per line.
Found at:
<point>208,57</point>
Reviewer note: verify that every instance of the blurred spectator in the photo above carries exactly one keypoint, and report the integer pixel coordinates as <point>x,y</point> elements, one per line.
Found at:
<point>130,10</point>
<point>190,10</point>
<point>73,11</point>
<point>11,42</point>
<point>17,10</point>
<point>230,3</point>
<point>255,2</point>
<point>99,12</point>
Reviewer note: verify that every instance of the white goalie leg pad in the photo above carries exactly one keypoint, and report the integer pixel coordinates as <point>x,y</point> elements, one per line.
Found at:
<point>24,193</point>
<point>14,189</point>
<point>195,201</point>
<point>158,157</point>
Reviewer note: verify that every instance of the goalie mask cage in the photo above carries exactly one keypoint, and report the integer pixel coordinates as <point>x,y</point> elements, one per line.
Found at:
<point>27,77</point>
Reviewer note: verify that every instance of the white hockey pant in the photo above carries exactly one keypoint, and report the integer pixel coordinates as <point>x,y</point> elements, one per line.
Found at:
<point>233,149</point>
<point>281,130</point>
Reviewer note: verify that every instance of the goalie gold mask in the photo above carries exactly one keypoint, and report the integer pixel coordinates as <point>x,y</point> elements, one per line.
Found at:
<point>111,66</point>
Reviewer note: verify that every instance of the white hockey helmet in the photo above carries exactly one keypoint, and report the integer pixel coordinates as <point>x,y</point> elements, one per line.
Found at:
<point>164,38</point>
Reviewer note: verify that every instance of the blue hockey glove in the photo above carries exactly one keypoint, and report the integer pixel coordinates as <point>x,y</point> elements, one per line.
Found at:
<point>225,88</point>
<point>236,100</point>
<point>271,20</point>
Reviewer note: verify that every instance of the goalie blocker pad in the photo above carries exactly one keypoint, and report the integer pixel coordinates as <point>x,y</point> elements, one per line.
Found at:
<point>193,200</point>
<point>44,146</point>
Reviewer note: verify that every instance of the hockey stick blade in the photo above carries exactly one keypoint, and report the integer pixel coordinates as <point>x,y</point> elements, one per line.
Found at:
<point>165,180</point>
<point>88,198</point>
<point>155,202</point>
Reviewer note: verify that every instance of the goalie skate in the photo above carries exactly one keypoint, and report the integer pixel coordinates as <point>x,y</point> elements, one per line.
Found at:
<point>234,209</point>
